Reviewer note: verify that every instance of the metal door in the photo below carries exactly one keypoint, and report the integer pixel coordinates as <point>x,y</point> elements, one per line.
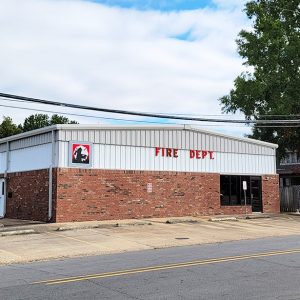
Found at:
<point>255,190</point>
<point>2,198</point>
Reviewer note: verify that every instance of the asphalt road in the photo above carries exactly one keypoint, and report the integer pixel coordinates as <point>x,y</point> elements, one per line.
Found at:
<point>254,269</point>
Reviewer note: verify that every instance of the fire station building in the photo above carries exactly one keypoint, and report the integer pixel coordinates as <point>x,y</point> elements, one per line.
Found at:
<point>76,172</point>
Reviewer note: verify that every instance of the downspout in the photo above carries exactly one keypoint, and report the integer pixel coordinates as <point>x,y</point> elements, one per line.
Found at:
<point>51,175</point>
<point>7,160</point>
<point>5,176</point>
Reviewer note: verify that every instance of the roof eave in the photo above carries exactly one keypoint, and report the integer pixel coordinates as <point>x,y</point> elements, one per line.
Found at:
<point>130,127</point>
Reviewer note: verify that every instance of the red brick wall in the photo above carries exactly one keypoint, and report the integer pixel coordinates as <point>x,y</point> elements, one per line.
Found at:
<point>89,194</point>
<point>29,195</point>
<point>270,194</point>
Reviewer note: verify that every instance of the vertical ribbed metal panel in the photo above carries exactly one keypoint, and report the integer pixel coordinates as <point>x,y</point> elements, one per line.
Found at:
<point>135,150</point>
<point>2,162</point>
<point>31,141</point>
<point>30,158</point>
<point>180,139</point>
<point>143,158</point>
<point>3,147</point>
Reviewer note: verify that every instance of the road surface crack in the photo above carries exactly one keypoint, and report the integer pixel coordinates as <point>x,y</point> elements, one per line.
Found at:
<point>114,290</point>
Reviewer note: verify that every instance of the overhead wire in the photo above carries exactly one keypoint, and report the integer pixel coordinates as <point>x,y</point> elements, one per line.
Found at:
<point>150,115</point>
<point>138,121</point>
<point>183,114</point>
<point>106,118</point>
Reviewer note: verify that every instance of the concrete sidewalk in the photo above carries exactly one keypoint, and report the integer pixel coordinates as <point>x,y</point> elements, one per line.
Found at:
<point>18,227</point>
<point>96,238</point>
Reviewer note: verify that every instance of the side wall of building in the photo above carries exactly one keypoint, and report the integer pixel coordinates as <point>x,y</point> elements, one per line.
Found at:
<point>27,195</point>
<point>129,176</point>
<point>270,194</point>
<point>87,194</point>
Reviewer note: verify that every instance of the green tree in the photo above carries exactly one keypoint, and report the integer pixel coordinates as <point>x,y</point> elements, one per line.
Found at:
<point>42,120</point>
<point>56,119</point>
<point>8,128</point>
<point>35,122</point>
<point>272,87</point>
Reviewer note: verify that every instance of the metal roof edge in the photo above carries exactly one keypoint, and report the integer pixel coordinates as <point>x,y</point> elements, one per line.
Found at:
<point>28,134</point>
<point>130,127</point>
<point>104,126</point>
<point>242,139</point>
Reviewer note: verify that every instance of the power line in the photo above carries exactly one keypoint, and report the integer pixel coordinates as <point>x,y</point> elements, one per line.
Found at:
<point>185,114</point>
<point>79,115</point>
<point>139,121</point>
<point>105,118</point>
<point>151,115</point>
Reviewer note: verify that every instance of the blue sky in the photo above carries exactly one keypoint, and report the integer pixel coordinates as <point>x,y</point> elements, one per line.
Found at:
<point>162,5</point>
<point>172,57</point>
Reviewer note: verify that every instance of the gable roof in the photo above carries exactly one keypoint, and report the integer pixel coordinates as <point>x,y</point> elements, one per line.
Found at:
<point>131,127</point>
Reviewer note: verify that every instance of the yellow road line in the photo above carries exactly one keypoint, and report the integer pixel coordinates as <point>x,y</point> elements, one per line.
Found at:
<point>165,267</point>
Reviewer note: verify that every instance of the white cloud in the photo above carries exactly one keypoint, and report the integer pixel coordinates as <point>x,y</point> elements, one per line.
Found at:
<point>230,3</point>
<point>87,53</point>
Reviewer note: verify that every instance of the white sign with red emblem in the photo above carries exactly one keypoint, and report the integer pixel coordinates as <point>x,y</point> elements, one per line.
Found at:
<point>80,154</point>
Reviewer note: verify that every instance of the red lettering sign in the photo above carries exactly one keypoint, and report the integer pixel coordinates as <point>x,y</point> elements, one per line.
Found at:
<point>172,152</point>
<point>175,153</point>
<point>192,153</point>
<point>157,151</point>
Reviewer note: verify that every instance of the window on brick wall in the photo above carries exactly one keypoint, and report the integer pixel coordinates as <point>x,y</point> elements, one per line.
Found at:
<point>232,192</point>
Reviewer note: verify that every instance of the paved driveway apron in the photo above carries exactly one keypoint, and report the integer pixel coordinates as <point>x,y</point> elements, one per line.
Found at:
<point>57,244</point>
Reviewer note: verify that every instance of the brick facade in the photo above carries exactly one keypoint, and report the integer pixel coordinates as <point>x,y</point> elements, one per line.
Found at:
<point>27,195</point>
<point>270,194</point>
<point>90,194</point>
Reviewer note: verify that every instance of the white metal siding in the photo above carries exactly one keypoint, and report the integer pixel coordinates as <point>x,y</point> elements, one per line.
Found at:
<point>180,139</point>
<point>2,162</point>
<point>134,149</point>
<point>143,158</point>
<point>31,158</point>
<point>3,147</point>
<point>30,141</point>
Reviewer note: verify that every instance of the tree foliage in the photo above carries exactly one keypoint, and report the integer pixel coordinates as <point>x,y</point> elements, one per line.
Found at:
<point>272,88</point>
<point>56,119</point>
<point>42,120</point>
<point>8,127</point>
<point>35,122</point>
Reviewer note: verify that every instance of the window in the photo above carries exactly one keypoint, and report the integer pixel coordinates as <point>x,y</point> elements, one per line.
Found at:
<point>291,158</point>
<point>295,181</point>
<point>225,190</point>
<point>232,192</point>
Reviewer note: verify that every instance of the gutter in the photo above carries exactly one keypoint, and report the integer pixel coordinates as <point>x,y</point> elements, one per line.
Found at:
<point>7,160</point>
<point>50,206</point>
<point>5,176</point>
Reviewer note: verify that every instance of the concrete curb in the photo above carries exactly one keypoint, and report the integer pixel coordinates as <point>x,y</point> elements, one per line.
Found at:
<point>66,228</point>
<point>36,229</point>
<point>252,217</point>
<point>50,227</point>
<point>223,219</point>
<point>178,221</point>
<point>17,232</point>
<point>295,214</point>
<point>240,217</point>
